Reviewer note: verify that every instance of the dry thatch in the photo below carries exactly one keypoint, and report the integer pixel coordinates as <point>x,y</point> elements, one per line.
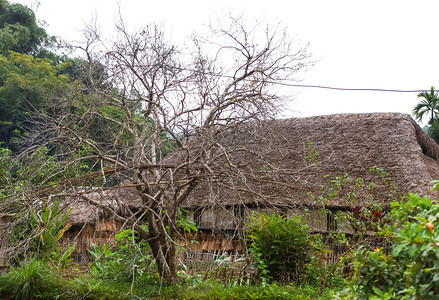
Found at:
<point>283,162</point>
<point>94,225</point>
<point>124,202</point>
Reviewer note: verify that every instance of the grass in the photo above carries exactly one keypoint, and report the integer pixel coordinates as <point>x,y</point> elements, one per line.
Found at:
<point>211,290</point>
<point>202,290</point>
<point>36,279</point>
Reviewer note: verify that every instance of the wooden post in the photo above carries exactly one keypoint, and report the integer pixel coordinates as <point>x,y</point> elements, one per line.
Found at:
<point>5,222</point>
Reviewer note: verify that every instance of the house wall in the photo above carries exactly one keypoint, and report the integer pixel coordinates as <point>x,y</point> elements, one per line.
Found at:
<point>208,242</point>
<point>99,233</point>
<point>219,230</point>
<point>316,219</point>
<point>5,225</point>
<point>215,219</point>
<point>237,219</point>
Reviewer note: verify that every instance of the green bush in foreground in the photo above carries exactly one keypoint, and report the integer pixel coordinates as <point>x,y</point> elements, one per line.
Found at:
<point>280,245</point>
<point>411,271</point>
<point>38,279</point>
<point>32,279</point>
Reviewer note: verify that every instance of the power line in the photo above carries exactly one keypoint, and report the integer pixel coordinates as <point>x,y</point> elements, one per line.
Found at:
<point>285,83</point>
<point>319,86</point>
<point>347,89</point>
<point>314,86</point>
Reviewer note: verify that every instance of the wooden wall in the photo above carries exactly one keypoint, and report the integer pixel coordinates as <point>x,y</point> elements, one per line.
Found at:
<point>84,235</point>
<point>227,219</point>
<point>5,225</point>
<point>219,230</point>
<point>208,242</point>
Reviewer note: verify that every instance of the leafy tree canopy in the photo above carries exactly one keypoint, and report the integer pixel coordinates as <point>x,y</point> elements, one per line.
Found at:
<point>19,30</point>
<point>428,105</point>
<point>26,83</point>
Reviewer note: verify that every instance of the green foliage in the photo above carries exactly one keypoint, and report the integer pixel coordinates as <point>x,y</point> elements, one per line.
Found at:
<point>19,30</point>
<point>32,279</point>
<point>41,168</point>
<point>184,222</point>
<point>429,105</point>
<point>376,273</point>
<point>312,155</point>
<point>6,166</point>
<point>26,84</point>
<point>37,279</point>
<point>40,233</point>
<point>280,245</point>
<point>366,220</point>
<point>411,270</point>
<point>52,223</point>
<point>377,186</point>
<point>363,217</point>
<point>217,290</point>
<point>131,258</point>
<point>319,270</point>
<point>433,131</point>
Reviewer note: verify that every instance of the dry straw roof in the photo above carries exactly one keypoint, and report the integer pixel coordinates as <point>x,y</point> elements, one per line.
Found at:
<point>289,168</point>
<point>283,162</point>
<point>123,201</point>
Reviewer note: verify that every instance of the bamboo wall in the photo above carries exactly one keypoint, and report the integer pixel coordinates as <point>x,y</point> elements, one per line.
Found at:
<point>229,219</point>
<point>220,230</point>
<point>210,242</point>
<point>100,233</point>
<point>5,223</point>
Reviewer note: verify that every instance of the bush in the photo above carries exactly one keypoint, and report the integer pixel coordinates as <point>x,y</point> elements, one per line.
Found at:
<point>32,279</point>
<point>37,279</point>
<point>131,258</point>
<point>280,245</point>
<point>411,271</point>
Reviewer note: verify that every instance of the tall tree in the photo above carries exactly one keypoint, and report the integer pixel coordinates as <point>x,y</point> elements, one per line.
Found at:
<point>26,84</point>
<point>157,93</point>
<point>429,105</point>
<point>19,30</point>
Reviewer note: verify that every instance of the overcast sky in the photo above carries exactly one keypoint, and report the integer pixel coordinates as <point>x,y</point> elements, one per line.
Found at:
<point>358,44</point>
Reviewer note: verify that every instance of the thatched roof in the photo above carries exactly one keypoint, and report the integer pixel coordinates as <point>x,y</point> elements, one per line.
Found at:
<point>123,201</point>
<point>287,162</point>
<point>281,167</point>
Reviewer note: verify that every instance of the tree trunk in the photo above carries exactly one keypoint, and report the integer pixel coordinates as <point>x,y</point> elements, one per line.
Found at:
<point>162,247</point>
<point>165,267</point>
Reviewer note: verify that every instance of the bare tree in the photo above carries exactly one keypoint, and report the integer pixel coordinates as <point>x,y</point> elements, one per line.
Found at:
<point>155,98</point>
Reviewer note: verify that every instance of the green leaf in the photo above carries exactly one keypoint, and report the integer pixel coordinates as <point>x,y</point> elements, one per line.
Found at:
<point>397,249</point>
<point>378,291</point>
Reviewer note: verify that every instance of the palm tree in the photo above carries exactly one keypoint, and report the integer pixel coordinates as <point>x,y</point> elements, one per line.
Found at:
<point>429,104</point>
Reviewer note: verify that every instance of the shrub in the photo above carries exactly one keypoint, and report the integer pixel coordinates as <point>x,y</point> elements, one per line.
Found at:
<point>129,259</point>
<point>280,245</point>
<point>39,233</point>
<point>32,279</point>
<point>38,279</point>
<point>411,271</point>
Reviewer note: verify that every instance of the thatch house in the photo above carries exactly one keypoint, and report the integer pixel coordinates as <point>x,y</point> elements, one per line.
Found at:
<point>91,224</point>
<point>287,165</point>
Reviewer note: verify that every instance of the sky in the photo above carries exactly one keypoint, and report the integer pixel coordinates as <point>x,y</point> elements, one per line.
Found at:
<point>357,44</point>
